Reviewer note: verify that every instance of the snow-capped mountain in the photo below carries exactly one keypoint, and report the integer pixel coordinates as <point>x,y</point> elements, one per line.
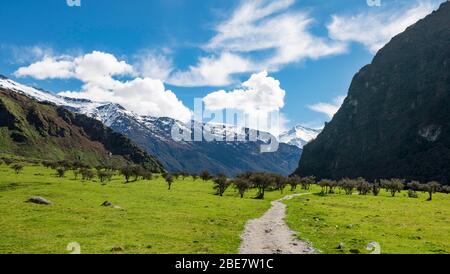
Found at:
<point>155,135</point>
<point>299,136</point>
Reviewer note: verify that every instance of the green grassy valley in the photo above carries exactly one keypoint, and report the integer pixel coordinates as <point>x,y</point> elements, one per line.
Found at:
<point>187,219</point>
<point>190,218</point>
<point>399,224</point>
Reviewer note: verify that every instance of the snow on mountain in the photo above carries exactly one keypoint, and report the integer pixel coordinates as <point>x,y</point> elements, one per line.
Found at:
<point>299,136</point>
<point>155,135</point>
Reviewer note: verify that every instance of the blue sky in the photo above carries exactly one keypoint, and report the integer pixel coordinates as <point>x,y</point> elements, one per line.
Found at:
<point>196,48</point>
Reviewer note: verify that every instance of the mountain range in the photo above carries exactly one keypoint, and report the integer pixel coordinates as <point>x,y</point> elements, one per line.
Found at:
<point>44,131</point>
<point>395,119</point>
<point>154,135</point>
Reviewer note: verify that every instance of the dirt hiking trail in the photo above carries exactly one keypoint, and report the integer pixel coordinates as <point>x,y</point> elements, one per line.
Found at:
<point>271,235</point>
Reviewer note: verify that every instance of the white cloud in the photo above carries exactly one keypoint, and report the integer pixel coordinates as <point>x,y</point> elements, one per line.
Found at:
<point>212,71</point>
<point>144,96</point>
<point>376,27</point>
<point>154,65</point>
<point>259,93</point>
<point>96,68</point>
<point>266,28</point>
<point>328,109</point>
<point>259,98</point>
<point>260,25</point>
<point>48,67</point>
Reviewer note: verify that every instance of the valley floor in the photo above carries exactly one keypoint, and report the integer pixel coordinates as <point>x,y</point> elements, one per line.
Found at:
<point>339,223</point>
<point>187,219</point>
<point>191,219</point>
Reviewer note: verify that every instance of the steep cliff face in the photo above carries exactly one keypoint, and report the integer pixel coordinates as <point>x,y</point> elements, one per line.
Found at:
<point>395,121</point>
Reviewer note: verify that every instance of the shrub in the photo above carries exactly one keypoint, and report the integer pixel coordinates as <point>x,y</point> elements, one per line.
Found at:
<point>376,186</point>
<point>363,186</point>
<point>412,194</point>
<point>205,175</point>
<point>306,182</point>
<point>60,172</point>
<point>445,189</point>
<point>414,186</point>
<point>8,161</point>
<point>104,175</point>
<point>279,182</point>
<point>194,177</point>
<point>261,181</point>
<point>221,183</point>
<point>294,181</point>
<point>127,172</point>
<point>17,168</point>
<point>327,186</point>
<point>241,185</point>
<point>393,186</point>
<point>87,174</point>
<point>46,164</point>
<point>147,175</point>
<point>431,187</point>
<point>347,185</point>
<point>169,179</point>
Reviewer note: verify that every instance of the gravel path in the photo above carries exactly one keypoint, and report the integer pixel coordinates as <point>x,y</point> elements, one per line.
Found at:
<point>271,235</point>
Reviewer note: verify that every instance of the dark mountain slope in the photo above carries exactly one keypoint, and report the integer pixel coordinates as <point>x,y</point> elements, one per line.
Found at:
<point>44,131</point>
<point>395,121</point>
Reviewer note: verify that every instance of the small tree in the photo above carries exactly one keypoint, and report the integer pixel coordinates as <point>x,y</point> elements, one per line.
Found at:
<point>445,189</point>
<point>431,187</point>
<point>221,183</point>
<point>279,182</point>
<point>17,168</point>
<point>306,182</point>
<point>147,175</point>
<point>137,171</point>
<point>393,186</point>
<point>241,185</point>
<point>104,175</point>
<point>261,181</point>
<point>294,181</point>
<point>8,161</point>
<point>60,172</point>
<point>87,174</point>
<point>376,186</point>
<point>127,172</point>
<point>363,186</point>
<point>194,177</point>
<point>327,186</point>
<point>414,186</point>
<point>347,185</point>
<point>169,179</point>
<point>205,175</point>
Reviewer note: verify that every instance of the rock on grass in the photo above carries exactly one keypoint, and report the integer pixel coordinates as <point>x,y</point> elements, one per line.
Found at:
<point>39,200</point>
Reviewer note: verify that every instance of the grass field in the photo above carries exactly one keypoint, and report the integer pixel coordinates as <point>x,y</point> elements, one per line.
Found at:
<point>400,224</point>
<point>191,219</point>
<point>187,219</point>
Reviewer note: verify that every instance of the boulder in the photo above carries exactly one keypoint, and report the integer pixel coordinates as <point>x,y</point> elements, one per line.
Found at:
<point>39,200</point>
